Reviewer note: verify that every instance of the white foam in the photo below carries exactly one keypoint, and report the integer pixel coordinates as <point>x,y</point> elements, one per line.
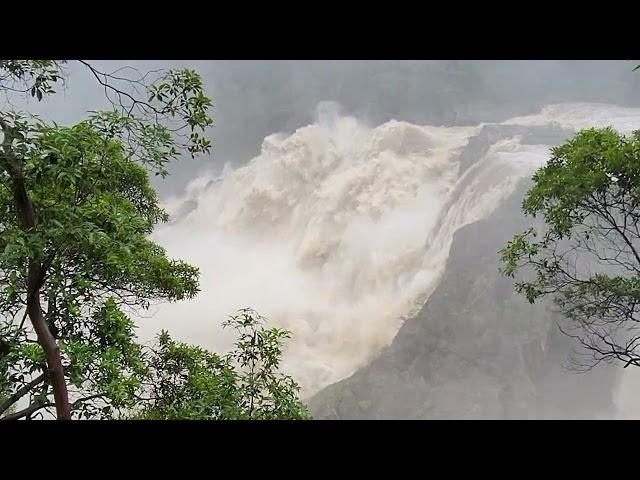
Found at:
<point>324,232</point>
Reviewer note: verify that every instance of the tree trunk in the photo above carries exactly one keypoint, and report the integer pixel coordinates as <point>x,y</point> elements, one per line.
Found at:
<point>48,343</point>
<point>35,276</point>
<point>34,308</point>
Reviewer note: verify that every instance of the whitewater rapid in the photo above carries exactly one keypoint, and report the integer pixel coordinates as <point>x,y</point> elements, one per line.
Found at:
<point>340,230</point>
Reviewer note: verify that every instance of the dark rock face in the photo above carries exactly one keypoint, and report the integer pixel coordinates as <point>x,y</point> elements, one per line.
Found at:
<point>492,133</point>
<point>476,350</point>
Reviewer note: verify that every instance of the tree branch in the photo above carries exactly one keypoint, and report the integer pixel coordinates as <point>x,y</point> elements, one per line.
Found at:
<point>30,410</point>
<point>21,392</point>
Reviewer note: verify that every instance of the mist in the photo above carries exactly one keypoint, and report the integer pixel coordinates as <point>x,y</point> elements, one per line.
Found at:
<point>335,188</point>
<point>336,233</point>
<point>254,99</point>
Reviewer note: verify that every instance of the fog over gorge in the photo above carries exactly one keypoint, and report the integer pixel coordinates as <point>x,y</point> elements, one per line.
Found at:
<point>359,204</point>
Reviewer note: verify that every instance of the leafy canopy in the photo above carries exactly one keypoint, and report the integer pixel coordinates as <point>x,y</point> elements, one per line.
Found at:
<point>586,255</point>
<point>95,209</point>
<point>76,209</point>
<point>188,382</point>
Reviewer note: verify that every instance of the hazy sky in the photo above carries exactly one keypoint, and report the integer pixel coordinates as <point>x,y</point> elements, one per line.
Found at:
<point>256,98</point>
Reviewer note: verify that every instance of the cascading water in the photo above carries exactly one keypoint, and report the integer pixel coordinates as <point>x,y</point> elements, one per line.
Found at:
<point>338,231</point>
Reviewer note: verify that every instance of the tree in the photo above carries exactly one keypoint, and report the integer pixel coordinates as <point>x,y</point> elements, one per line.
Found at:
<point>76,207</point>
<point>188,382</point>
<point>86,256</point>
<point>586,254</point>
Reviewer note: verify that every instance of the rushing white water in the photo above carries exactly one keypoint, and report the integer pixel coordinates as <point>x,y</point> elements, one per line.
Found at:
<point>584,115</point>
<point>339,230</point>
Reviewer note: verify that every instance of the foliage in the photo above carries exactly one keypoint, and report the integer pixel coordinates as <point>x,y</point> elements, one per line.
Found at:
<point>36,77</point>
<point>95,209</point>
<point>76,209</point>
<point>587,254</point>
<point>188,382</point>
